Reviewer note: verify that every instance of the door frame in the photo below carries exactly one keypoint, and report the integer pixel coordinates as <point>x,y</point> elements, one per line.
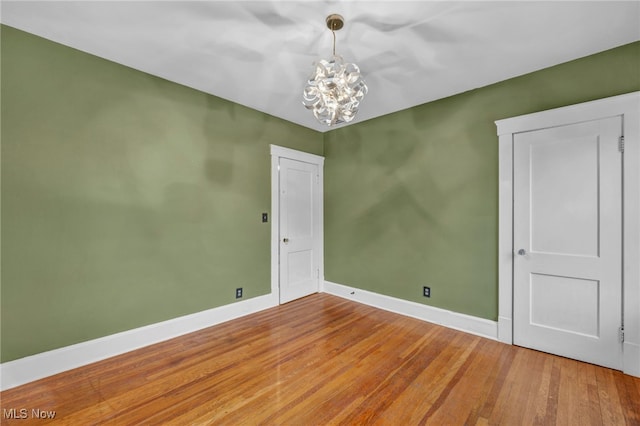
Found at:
<point>278,152</point>
<point>627,106</point>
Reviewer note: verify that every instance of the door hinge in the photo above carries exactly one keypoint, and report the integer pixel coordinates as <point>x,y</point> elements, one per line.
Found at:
<point>621,334</point>
<point>621,144</point>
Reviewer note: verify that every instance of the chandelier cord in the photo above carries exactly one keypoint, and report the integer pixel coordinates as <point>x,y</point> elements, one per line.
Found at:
<point>334,42</point>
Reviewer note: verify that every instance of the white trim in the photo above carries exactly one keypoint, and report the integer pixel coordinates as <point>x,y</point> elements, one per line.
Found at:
<point>631,358</point>
<point>587,111</point>
<point>505,239</point>
<point>505,327</point>
<point>275,226</point>
<point>278,152</point>
<point>467,323</point>
<point>627,106</point>
<point>28,369</point>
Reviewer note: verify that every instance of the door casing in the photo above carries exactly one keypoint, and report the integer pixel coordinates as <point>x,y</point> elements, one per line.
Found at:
<point>628,107</point>
<point>278,152</point>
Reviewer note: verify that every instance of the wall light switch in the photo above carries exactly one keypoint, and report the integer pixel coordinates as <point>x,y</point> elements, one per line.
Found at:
<point>265,217</point>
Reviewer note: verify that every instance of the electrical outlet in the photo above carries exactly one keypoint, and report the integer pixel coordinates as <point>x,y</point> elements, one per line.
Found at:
<point>426,291</point>
<point>238,293</point>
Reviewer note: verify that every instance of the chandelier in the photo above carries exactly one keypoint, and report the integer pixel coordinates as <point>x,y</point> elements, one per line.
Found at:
<point>335,88</point>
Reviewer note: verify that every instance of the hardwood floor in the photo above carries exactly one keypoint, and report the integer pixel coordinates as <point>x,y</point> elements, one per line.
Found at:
<point>324,360</point>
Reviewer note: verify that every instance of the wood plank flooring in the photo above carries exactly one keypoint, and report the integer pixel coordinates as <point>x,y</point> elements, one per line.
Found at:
<point>323,360</point>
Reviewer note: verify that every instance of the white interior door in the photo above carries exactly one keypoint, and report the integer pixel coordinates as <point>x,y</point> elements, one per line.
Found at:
<point>299,242</point>
<point>567,237</point>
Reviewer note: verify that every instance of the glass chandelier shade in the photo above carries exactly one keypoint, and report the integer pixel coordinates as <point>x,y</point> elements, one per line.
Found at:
<point>335,88</point>
<point>334,91</point>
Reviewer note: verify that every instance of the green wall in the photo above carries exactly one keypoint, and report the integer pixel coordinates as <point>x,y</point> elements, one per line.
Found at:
<point>411,199</point>
<point>126,199</point>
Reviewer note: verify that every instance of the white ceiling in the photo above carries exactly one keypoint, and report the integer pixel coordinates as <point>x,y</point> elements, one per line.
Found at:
<point>259,53</point>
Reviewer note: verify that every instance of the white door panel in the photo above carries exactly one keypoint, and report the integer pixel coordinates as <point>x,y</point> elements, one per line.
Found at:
<point>564,194</point>
<point>549,307</point>
<point>299,229</point>
<point>568,238</point>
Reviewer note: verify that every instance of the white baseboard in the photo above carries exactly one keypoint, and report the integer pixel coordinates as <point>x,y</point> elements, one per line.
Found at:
<point>467,323</point>
<point>631,359</point>
<point>28,369</point>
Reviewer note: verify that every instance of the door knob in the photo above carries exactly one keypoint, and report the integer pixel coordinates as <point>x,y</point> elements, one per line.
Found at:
<point>285,240</point>
<point>522,252</point>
